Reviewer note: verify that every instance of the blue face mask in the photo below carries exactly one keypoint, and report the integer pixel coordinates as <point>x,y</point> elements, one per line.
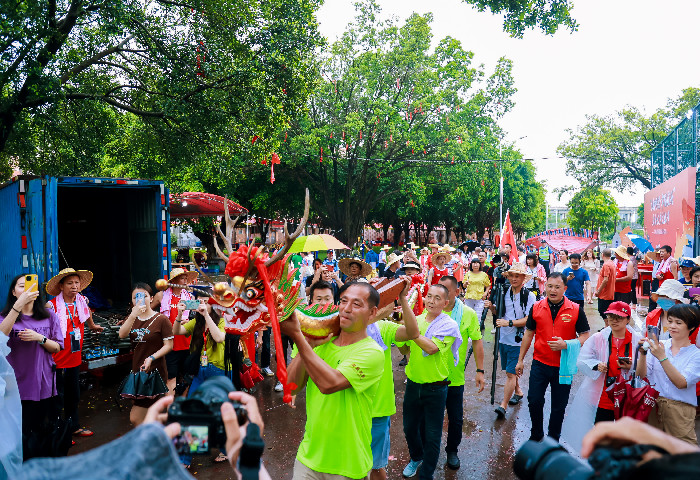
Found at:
<point>665,303</point>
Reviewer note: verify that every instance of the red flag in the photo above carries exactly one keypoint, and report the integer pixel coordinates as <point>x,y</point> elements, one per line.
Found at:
<point>508,237</point>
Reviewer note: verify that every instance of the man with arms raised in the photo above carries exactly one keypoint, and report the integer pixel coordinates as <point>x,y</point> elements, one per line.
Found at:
<point>555,322</point>
<point>433,354</point>
<point>469,328</point>
<point>342,376</point>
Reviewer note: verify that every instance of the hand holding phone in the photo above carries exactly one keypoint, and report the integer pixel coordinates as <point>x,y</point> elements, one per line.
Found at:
<point>329,268</point>
<point>191,304</point>
<point>31,283</point>
<point>140,298</point>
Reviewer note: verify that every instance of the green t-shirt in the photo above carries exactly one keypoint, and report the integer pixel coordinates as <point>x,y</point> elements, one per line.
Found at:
<point>469,328</point>
<point>338,434</point>
<point>215,351</point>
<point>385,400</point>
<point>431,368</point>
<point>295,262</point>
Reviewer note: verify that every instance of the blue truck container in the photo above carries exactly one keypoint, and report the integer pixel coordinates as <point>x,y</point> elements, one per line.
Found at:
<point>117,228</point>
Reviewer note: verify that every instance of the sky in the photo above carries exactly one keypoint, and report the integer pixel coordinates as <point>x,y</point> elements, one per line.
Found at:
<point>626,52</point>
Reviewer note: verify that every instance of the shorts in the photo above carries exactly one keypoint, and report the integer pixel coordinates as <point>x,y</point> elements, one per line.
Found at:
<point>381,442</point>
<point>175,361</point>
<point>509,357</point>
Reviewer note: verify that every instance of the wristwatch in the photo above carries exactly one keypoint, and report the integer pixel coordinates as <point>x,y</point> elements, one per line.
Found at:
<point>510,323</point>
<point>479,370</point>
<point>43,341</point>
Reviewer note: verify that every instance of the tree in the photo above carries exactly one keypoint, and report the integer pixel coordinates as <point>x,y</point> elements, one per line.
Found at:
<point>640,214</point>
<point>615,150</point>
<point>592,208</point>
<point>519,15</point>
<point>388,99</point>
<point>197,74</point>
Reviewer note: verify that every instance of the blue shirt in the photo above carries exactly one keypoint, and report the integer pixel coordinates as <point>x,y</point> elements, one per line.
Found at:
<point>574,287</point>
<point>372,257</point>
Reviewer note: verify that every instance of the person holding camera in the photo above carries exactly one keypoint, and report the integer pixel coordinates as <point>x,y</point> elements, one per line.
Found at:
<point>518,303</point>
<point>674,369</point>
<point>152,336</point>
<point>341,374</point>
<point>554,322</point>
<point>603,357</point>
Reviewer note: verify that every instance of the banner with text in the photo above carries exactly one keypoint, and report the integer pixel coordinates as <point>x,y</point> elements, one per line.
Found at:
<point>669,213</point>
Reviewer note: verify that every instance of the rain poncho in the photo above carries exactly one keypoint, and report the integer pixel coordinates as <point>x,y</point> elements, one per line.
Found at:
<point>581,413</point>
<point>10,416</point>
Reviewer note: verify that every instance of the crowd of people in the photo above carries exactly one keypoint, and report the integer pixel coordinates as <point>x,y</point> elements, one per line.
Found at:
<point>537,300</point>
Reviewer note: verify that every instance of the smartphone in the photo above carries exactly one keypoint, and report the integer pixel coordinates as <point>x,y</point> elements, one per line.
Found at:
<point>652,331</point>
<point>31,283</point>
<point>625,359</point>
<point>193,440</point>
<point>329,268</point>
<point>694,291</point>
<point>191,304</point>
<point>140,298</point>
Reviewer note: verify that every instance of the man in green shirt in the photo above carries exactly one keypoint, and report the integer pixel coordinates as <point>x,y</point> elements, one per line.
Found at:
<point>386,332</point>
<point>342,376</point>
<point>433,355</point>
<point>469,328</point>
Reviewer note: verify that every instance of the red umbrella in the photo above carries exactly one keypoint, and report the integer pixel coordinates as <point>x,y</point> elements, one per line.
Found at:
<point>197,204</point>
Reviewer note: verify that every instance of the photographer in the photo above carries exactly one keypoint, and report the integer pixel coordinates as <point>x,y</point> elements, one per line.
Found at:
<point>518,302</point>
<point>674,368</point>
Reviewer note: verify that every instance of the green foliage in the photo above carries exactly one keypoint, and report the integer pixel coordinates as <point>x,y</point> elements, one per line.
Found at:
<point>593,208</point>
<point>150,86</point>
<point>519,15</point>
<point>640,214</point>
<point>615,150</point>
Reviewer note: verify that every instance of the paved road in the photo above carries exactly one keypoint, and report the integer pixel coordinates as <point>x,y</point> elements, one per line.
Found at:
<point>486,451</point>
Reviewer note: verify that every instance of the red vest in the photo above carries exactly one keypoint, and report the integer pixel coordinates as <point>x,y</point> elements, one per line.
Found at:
<point>563,326</point>
<point>622,287</point>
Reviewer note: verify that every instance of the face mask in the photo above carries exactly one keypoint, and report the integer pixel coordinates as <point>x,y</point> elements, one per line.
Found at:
<point>665,303</point>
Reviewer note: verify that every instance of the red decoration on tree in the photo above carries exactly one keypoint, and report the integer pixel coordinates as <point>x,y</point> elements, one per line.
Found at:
<point>386,144</point>
<point>407,143</point>
<point>447,139</point>
<point>482,183</point>
<point>360,134</point>
<point>321,161</point>
<point>264,160</point>
<point>343,135</point>
<point>413,204</point>
<point>459,139</point>
<point>391,137</point>
<point>331,135</point>
<point>398,84</point>
<point>424,152</point>
<point>285,136</point>
<point>274,160</point>
<point>255,137</point>
<point>453,159</point>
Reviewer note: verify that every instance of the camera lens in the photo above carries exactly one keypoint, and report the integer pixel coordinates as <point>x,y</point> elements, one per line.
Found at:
<point>214,389</point>
<point>548,460</point>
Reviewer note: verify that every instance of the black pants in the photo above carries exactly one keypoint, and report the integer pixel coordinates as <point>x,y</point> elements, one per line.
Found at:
<point>35,417</point>
<point>545,264</point>
<point>603,305</point>
<point>623,297</point>
<point>603,415</point>
<point>265,350</point>
<point>287,343</point>
<point>654,287</point>
<point>542,376</point>
<point>68,387</point>
<point>633,294</point>
<point>424,407</point>
<point>455,417</point>
<point>579,302</point>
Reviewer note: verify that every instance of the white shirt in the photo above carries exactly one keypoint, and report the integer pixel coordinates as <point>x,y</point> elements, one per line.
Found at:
<point>382,256</point>
<point>514,311</point>
<point>559,267</point>
<point>687,362</point>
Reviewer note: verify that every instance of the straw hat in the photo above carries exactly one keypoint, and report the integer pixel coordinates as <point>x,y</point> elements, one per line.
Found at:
<point>672,289</point>
<point>413,265</point>
<point>178,272</point>
<point>441,253</point>
<point>386,247</point>
<point>433,245</point>
<point>519,269</point>
<point>412,246</point>
<point>425,249</point>
<point>695,260</point>
<point>621,252</point>
<point>344,266</point>
<point>392,258</point>
<point>53,287</point>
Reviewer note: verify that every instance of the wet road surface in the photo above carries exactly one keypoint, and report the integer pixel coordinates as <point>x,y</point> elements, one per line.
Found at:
<point>486,452</point>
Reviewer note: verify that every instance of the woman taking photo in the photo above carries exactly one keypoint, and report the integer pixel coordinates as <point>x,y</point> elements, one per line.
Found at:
<point>539,275</point>
<point>602,358</point>
<point>592,266</point>
<point>477,286</point>
<point>673,367</point>
<point>152,336</point>
<point>34,334</point>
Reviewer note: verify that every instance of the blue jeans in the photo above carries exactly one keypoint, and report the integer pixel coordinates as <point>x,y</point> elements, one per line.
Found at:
<point>455,417</point>
<point>424,404</point>
<point>541,376</point>
<point>204,373</point>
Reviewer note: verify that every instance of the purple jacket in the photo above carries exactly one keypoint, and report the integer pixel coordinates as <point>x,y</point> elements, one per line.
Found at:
<point>33,365</point>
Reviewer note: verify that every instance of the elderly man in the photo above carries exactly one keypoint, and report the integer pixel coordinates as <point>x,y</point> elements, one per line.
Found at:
<point>469,329</point>
<point>433,356</point>
<point>554,322</point>
<point>341,375</point>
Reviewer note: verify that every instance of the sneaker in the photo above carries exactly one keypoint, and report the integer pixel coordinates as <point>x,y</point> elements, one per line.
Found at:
<point>279,387</point>
<point>453,460</point>
<point>267,372</point>
<point>493,331</point>
<point>411,469</point>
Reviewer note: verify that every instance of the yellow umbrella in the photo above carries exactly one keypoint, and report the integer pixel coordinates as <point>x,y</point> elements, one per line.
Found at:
<point>317,243</point>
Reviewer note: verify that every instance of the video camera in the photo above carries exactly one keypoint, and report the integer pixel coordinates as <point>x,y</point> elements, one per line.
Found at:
<point>200,416</point>
<point>548,460</point>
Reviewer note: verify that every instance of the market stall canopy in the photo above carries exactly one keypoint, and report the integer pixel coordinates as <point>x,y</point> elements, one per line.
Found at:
<point>197,204</point>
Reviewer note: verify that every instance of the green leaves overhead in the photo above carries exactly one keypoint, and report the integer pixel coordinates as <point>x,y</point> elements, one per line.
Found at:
<point>594,208</point>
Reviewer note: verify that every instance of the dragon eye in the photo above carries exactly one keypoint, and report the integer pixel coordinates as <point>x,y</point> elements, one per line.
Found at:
<point>250,293</point>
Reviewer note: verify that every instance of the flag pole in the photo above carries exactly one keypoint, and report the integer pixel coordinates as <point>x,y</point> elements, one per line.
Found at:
<point>501,203</point>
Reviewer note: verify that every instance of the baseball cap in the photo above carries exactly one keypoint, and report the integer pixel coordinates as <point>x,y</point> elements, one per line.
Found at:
<point>620,309</point>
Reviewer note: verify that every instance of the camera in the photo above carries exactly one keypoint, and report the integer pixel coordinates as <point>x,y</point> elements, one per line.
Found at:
<point>548,460</point>
<point>200,417</point>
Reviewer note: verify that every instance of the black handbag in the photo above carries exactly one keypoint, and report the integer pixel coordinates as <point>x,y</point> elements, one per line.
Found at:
<point>51,440</point>
<point>143,385</point>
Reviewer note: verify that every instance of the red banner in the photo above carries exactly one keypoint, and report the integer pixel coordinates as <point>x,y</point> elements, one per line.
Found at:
<point>669,213</point>
<point>509,237</point>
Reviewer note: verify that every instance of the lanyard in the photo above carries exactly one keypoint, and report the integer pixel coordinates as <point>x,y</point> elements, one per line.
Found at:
<point>71,315</point>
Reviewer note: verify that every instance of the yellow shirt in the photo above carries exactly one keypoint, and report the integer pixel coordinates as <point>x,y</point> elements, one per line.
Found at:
<point>476,284</point>
<point>215,351</point>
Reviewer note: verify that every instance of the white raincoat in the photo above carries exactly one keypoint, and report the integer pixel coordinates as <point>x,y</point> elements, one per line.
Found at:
<point>10,416</point>
<point>581,414</point>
